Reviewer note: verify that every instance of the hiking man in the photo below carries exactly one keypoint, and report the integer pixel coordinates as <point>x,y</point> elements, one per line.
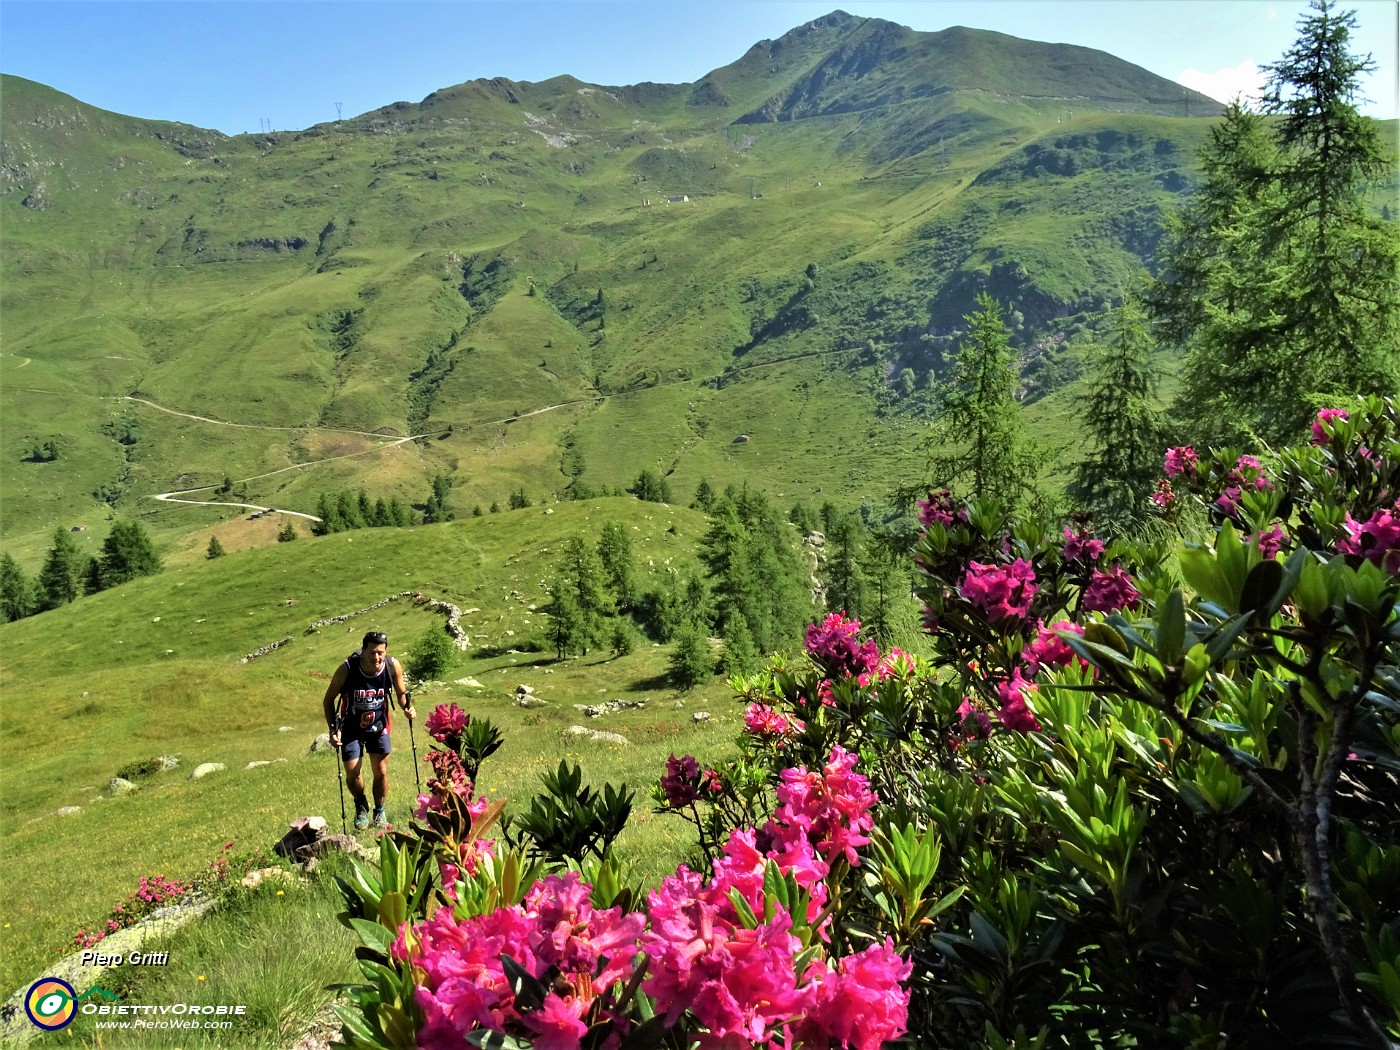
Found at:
<point>357,713</point>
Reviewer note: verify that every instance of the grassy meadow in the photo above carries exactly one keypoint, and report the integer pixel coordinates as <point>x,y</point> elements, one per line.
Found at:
<point>153,668</point>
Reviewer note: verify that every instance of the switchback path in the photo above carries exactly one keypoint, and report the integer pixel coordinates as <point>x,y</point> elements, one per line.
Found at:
<point>393,442</point>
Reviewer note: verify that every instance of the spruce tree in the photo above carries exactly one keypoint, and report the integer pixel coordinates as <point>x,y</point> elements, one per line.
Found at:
<point>287,533</point>
<point>845,582</point>
<point>740,654</point>
<point>651,488</point>
<point>567,631</point>
<point>17,597</point>
<point>1276,278</point>
<point>704,497</point>
<point>690,662</point>
<point>63,568</point>
<point>1118,477</point>
<point>127,553</point>
<point>980,438</point>
<point>215,549</point>
<point>615,553</point>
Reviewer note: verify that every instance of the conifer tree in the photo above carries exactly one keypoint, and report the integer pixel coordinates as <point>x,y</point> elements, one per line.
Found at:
<point>845,583</point>
<point>690,662</point>
<point>127,553</point>
<point>740,654</point>
<point>615,553</point>
<point>17,597</point>
<point>651,488</point>
<point>704,497</point>
<point>1277,268</point>
<point>347,510</point>
<point>887,570</point>
<point>215,549</point>
<point>1117,479</point>
<point>62,569</point>
<point>287,533</point>
<point>567,631</point>
<point>980,438</point>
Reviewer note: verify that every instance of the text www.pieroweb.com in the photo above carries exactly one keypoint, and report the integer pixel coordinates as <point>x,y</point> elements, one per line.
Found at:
<point>137,1017</point>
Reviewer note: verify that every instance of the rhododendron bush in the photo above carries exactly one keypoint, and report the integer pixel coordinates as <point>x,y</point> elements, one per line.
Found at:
<point>1133,793</point>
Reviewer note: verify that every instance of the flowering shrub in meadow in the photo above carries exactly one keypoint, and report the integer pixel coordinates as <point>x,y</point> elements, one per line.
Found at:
<point>1140,794</point>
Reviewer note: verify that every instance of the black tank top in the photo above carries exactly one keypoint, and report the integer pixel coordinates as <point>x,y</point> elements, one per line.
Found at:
<point>366,698</point>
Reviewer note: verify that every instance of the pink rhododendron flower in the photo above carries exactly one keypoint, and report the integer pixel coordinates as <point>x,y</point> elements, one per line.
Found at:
<point>1014,713</point>
<point>446,723</point>
<point>1164,497</point>
<point>1109,591</point>
<point>1229,500</point>
<point>832,644</point>
<point>555,928</point>
<point>681,782</point>
<point>1322,426</point>
<point>1377,539</point>
<point>1002,592</point>
<point>1249,472</point>
<point>763,721</point>
<point>1181,459</point>
<point>558,1024</point>
<point>1081,546</point>
<point>860,1004</point>
<point>940,508</point>
<point>1270,542</point>
<point>832,807</point>
<point>970,714</point>
<point>1049,649</point>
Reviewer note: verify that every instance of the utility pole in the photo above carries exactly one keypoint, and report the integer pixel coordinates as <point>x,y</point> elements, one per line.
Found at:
<point>337,111</point>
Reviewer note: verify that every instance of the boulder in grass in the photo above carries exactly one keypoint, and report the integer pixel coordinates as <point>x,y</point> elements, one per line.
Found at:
<point>321,743</point>
<point>301,833</point>
<point>205,768</point>
<point>120,786</point>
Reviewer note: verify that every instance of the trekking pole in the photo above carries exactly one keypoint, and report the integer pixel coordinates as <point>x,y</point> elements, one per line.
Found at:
<point>413,742</point>
<point>340,779</point>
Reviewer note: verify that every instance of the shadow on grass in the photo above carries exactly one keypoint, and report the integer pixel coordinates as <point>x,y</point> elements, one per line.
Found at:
<point>655,683</point>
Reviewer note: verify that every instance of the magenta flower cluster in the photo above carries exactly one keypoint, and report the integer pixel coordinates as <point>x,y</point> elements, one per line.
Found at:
<point>554,933</point>
<point>833,645</point>
<point>152,892</point>
<point>1081,546</point>
<point>685,782</point>
<point>732,984</point>
<point>450,779</point>
<point>771,724</point>
<point>1109,591</point>
<point>1181,459</point>
<point>1049,649</point>
<point>1377,539</point>
<point>446,723</point>
<point>1325,422</point>
<point>1002,592</point>
<point>941,509</point>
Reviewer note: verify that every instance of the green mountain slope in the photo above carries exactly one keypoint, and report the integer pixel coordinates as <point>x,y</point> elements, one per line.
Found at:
<point>763,252</point>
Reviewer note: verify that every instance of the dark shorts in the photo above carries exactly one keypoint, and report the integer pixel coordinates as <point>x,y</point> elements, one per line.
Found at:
<point>376,744</point>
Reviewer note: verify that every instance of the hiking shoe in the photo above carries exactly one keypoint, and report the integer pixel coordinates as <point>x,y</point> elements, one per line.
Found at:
<point>381,820</point>
<point>361,815</point>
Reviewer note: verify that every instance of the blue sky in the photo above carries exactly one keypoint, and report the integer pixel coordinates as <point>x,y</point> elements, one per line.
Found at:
<point>236,64</point>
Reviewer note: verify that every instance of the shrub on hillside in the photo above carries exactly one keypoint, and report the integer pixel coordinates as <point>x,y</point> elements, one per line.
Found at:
<point>433,656</point>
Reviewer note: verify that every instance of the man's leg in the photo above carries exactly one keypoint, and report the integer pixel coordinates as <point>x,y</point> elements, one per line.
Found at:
<point>357,789</point>
<point>379,766</point>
